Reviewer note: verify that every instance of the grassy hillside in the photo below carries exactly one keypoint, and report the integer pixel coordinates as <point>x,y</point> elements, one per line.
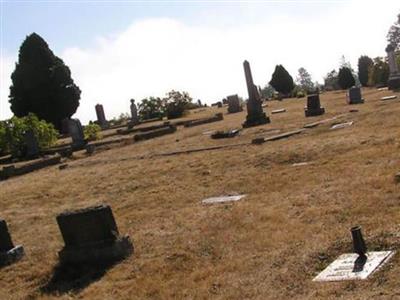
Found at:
<point>294,221</point>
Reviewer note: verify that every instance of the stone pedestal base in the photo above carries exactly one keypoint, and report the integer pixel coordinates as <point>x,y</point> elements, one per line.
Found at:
<point>314,112</point>
<point>255,121</point>
<point>99,252</point>
<point>394,82</point>
<point>11,256</point>
<point>356,101</point>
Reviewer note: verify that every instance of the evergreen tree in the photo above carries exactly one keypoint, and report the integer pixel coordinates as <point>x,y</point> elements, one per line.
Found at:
<point>304,80</point>
<point>393,36</point>
<point>331,81</point>
<point>364,64</point>
<point>281,80</point>
<point>42,83</point>
<point>379,72</point>
<point>346,78</point>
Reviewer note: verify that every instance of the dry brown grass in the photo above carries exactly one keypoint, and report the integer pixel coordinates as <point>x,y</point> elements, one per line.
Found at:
<point>294,221</point>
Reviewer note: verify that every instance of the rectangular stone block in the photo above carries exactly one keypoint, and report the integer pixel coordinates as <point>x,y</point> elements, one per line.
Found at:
<point>5,238</point>
<point>8,252</point>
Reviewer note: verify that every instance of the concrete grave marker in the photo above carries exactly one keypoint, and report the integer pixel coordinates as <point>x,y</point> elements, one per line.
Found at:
<point>8,252</point>
<point>255,115</point>
<point>75,130</point>
<point>389,98</point>
<point>32,145</point>
<point>91,235</point>
<point>222,199</point>
<point>101,118</point>
<point>234,105</point>
<point>354,96</point>
<point>134,113</point>
<point>278,111</point>
<point>342,125</point>
<point>313,106</point>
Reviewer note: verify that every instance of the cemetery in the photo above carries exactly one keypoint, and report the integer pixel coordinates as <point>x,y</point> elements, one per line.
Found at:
<point>289,191</point>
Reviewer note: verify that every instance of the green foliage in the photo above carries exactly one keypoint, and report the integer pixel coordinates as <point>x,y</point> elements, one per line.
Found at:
<point>151,108</point>
<point>281,80</point>
<point>12,134</point>
<point>176,103</point>
<point>122,118</point>
<point>42,84</point>
<point>331,81</point>
<point>267,92</point>
<point>393,35</point>
<point>92,132</point>
<point>379,72</point>
<point>346,78</point>
<point>364,64</point>
<point>304,80</point>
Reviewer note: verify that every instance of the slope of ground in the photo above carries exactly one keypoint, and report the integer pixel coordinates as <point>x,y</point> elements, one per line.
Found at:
<point>293,222</point>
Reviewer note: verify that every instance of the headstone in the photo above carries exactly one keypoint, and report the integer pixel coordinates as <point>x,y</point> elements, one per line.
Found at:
<point>255,115</point>
<point>234,105</point>
<point>313,106</point>
<point>101,118</point>
<point>8,252</point>
<point>91,235</point>
<point>64,126</point>
<point>31,143</point>
<point>76,132</point>
<point>394,76</point>
<point>134,113</point>
<point>354,96</point>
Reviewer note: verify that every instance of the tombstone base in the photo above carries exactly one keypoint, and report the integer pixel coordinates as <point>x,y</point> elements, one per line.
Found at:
<point>234,110</point>
<point>11,256</point>
<point>394,82</point>
<point>314,112</point>
<point>356,101</point>
<point>255,121</point>
<point>94,253</point>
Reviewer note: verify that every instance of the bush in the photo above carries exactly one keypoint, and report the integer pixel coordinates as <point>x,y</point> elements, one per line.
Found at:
<point>346,78</point>
<point>150,108</point>
<point>176,103</point>
<point>12,133</point>
<point>92,132</point>
<point>281,80</point>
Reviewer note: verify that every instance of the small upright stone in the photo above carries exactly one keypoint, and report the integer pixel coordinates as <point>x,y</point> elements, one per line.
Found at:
<point>91,236</point>
<point>313,106</point>
<point>255,115</point>
<point>134,113</point>
<point>8,252</point>
<point>234,104</point>
<point>394,76</point>
<point>76,131</point>
<point>32,145</point>
<point>101,118</point>
<point>354,96</point>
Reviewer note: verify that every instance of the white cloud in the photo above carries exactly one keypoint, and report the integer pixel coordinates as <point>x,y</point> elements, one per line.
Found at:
<point>153,56</point>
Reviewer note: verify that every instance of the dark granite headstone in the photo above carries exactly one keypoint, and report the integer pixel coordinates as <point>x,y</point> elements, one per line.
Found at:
<point>255,115</point>
<point>234,104</point>
<point>101,118</point>
<point>313,106</point>
<point>394,75</point>
<point>31,143</point>
<point>8,252</point>
<point>75,130</point>
<point>354,96</point>
<point>91,235</point>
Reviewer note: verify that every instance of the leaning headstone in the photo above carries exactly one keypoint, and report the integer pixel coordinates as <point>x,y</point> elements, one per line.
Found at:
<point>234,105</point>
<point>91,236</point>
<point>8,252</point>
<point>313,106</point>
<point>255,115</point>
<point>134,113</point>
<point>394,76</point>
<point>32,145</point>
<point>76,132</point>
<point>354,96</point>
<point>101,118</point>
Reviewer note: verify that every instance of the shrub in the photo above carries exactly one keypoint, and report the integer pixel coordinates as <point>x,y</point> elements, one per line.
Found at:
<point>176,103</point>
<point>281,80</point>
<point>346,78</point>
<point>92,132</point>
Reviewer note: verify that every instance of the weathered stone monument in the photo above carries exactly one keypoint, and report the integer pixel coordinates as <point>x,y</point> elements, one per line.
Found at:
<point>234,105</point>
<point>313,106</point>
<point>354,96</point>
<point>134,114</point>
<point>101,118</point>
<point>91,236</point>
<point>76,132</point>
<point>394,76</point>
<point>255,115</point>
<point>8,252</point>
<point>32,145</point>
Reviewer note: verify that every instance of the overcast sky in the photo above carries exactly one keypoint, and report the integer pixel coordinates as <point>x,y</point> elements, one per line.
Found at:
<point>118,50</point>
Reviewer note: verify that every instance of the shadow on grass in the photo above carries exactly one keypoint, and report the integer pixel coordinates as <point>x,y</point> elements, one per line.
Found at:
<point>74,278</point>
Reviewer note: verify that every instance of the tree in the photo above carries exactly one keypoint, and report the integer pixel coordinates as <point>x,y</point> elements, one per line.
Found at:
<point>267,92</point>
<point>42,84</point>
<point>331,81</point>
<point>176,103</point>
<point>364,64</point>
<point>378,72</point>
<point>393,35</point>
<point>346,78</point>
<point>151,108</point>
<point>304,80</point>
<point>281,80</point>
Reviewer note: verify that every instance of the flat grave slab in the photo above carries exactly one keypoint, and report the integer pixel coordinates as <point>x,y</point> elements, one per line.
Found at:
<point>388,98</point>
<point>342,125</point>
<point>278,111</point>
<point>222,199</point>
<point>345,268</point>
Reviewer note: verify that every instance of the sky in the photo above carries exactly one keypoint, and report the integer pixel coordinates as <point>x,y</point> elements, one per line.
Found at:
<point>118,50</point>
